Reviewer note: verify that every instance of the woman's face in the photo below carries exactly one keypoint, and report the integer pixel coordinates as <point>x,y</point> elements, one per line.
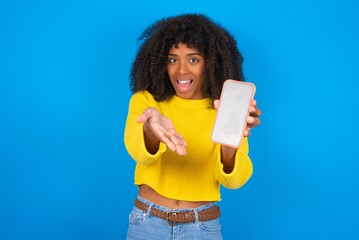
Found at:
<point>185,68</point>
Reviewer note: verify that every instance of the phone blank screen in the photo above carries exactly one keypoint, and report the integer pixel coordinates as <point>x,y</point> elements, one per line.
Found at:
<point>232,112</point>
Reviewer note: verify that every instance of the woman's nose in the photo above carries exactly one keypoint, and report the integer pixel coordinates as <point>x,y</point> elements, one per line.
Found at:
<point>182,68</point>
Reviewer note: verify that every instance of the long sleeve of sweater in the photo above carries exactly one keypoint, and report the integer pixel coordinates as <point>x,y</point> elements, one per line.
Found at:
<point>242,170</point>
<point>134,136</point>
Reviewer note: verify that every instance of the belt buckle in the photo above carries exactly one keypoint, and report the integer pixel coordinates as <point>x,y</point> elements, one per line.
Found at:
<point>169,214</point>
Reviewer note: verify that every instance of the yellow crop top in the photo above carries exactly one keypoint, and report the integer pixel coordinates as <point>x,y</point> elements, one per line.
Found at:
<point>196,176</point>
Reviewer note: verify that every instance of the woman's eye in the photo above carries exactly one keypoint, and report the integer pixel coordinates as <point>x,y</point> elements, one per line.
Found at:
<point>193,60</point>
<point>172,60</point>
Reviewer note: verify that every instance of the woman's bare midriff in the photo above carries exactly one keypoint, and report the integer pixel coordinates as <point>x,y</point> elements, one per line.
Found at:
<point>151,195</point>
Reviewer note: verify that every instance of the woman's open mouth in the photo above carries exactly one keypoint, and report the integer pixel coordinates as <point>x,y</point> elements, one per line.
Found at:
<point>184,85</point>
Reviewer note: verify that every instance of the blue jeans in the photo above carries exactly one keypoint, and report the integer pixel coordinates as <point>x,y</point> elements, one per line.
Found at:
<point>144,226</point>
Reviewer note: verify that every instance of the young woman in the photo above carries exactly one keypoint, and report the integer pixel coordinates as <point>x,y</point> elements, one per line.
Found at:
<point>176,78</point>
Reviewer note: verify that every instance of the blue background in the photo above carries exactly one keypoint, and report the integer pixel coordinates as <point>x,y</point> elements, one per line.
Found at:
<point>64,90</point>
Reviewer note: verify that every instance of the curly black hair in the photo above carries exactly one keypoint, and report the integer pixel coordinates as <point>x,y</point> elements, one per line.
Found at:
<point>222,57</point>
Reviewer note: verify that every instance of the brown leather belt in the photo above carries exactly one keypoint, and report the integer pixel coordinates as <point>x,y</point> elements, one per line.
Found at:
<point>175,216</point>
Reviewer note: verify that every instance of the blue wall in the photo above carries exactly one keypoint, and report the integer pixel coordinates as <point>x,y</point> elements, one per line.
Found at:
<point>64,172</point>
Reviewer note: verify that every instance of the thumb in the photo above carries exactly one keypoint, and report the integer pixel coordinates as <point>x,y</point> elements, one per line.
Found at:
<point>147,113</point>
<point>216,104</point>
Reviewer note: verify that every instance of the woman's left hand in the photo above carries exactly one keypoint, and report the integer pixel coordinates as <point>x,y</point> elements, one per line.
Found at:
<point>253,118</point>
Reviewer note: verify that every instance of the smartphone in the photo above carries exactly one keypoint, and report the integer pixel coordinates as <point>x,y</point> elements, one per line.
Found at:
<point>231,118</point>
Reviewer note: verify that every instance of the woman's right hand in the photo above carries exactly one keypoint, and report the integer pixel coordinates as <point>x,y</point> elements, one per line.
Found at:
<point>158,128</point>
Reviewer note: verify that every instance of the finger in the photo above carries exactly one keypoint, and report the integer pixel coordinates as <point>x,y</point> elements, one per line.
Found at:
<point>184,143</point>
<point>180,143</point>
<point>169,143</point>
<point>254,110</point>
<point>216,104</point>
<point>178,147</point>
<point>169,137</point>
<point>253,122</point>
<point>147,113</point>
<point>254,102</point>
<point>142,118</point>
<point>247,132</point>
<point>181,148</point>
